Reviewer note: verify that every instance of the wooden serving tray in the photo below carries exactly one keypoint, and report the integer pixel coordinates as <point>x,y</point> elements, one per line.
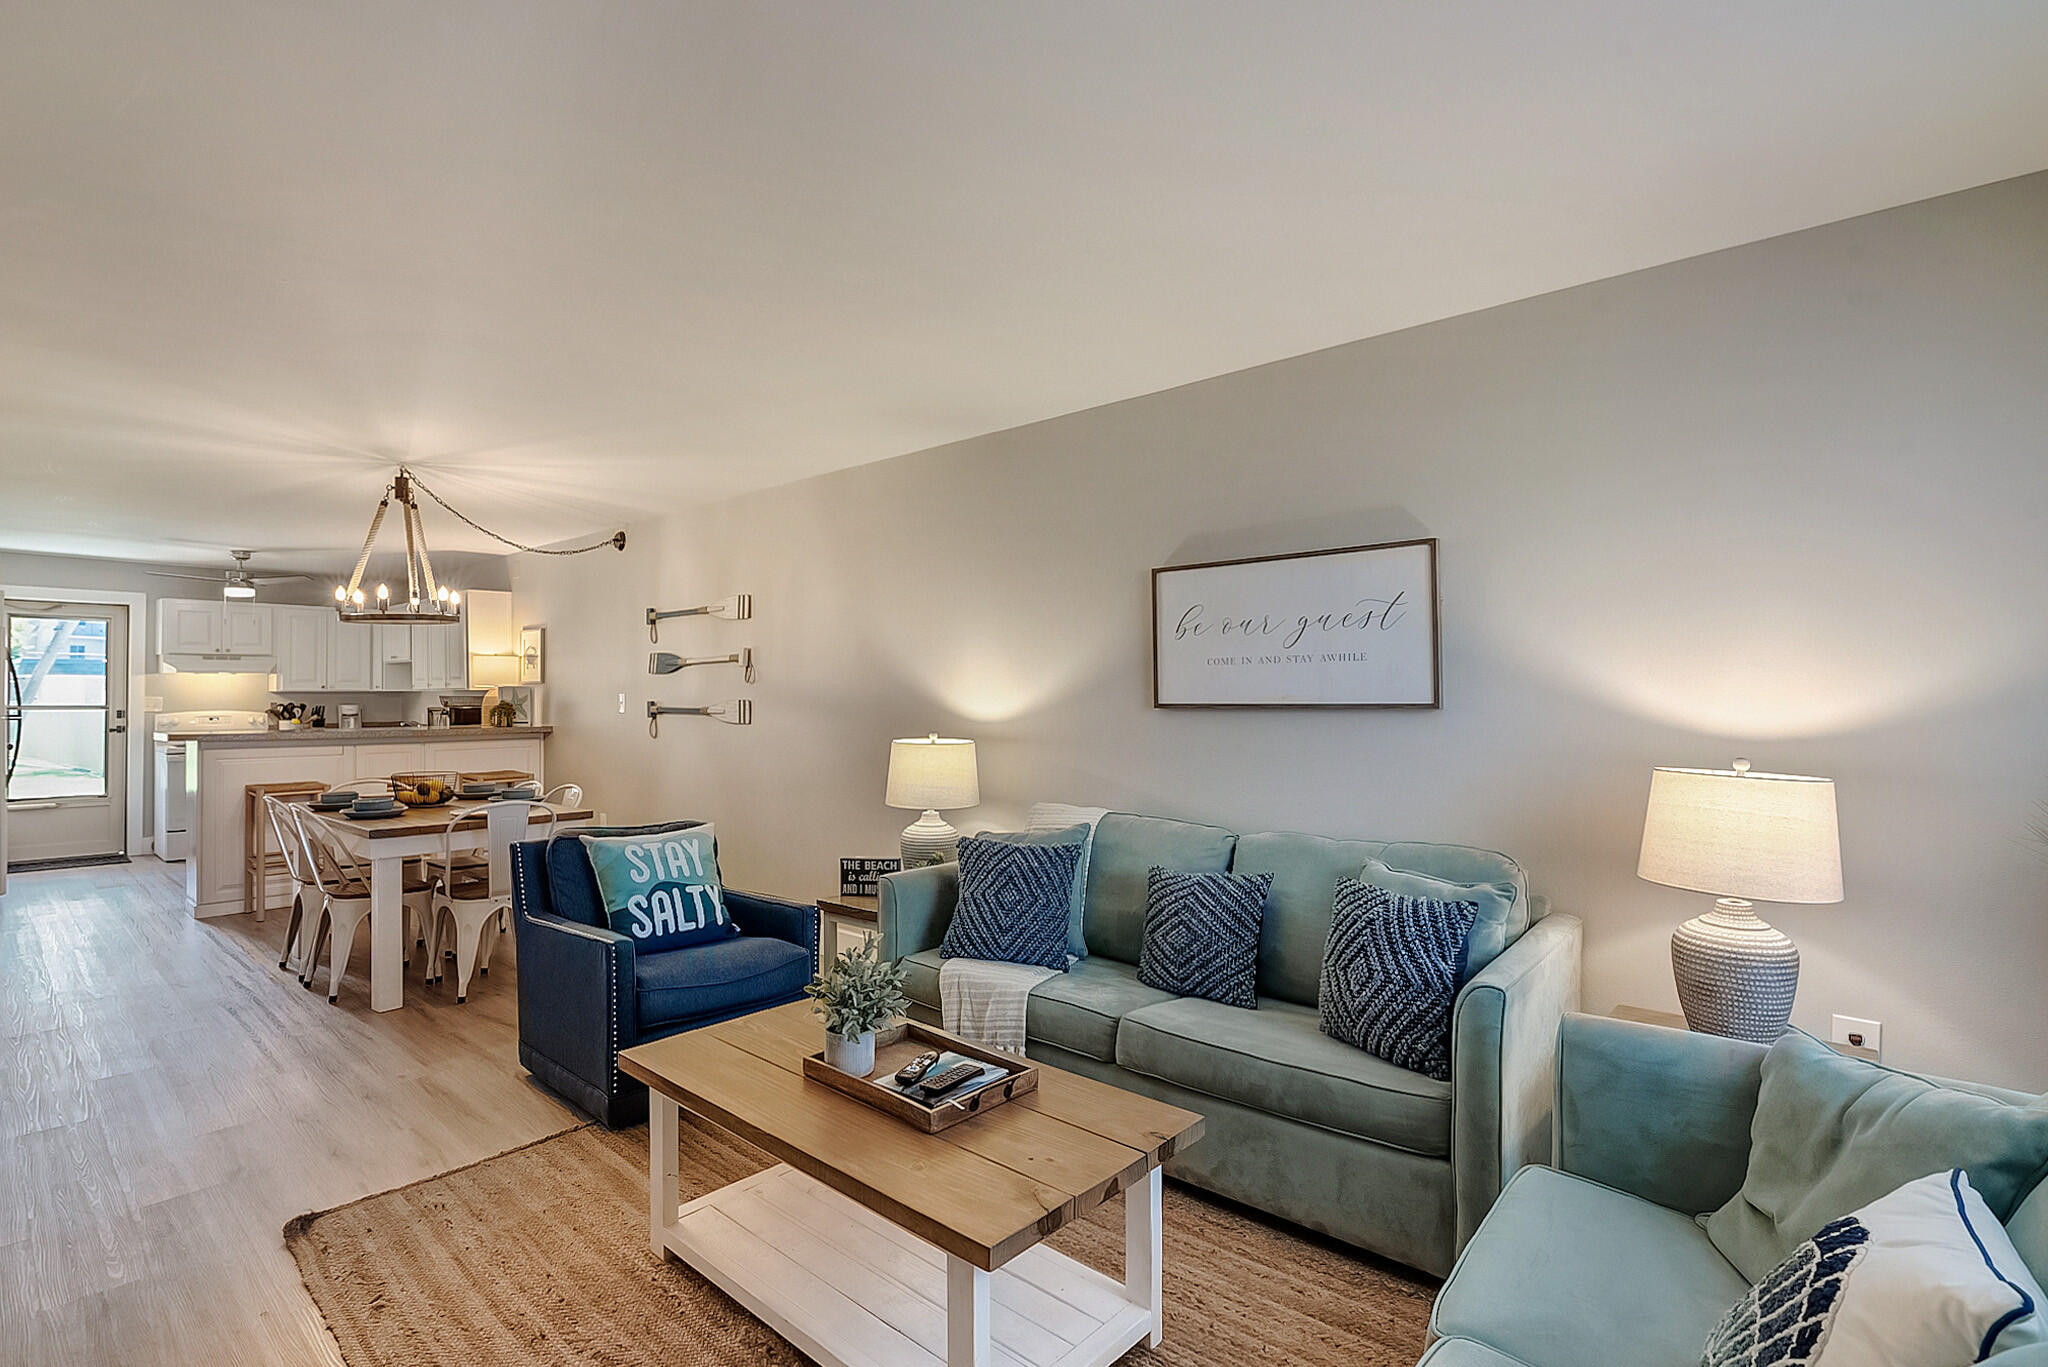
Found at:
<point>898,1045</point>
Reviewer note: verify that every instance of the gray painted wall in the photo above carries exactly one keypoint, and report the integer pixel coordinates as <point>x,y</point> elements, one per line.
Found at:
<point>1786,501</point>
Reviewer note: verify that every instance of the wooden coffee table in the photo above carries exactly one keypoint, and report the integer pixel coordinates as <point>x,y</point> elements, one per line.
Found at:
<point>874,1245</point>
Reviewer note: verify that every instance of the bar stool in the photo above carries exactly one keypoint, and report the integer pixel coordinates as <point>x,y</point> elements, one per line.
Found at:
<point>259,865</point>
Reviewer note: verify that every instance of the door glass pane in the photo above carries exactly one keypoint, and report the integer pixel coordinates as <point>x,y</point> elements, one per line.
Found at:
<point>61,665</point>
<point>63,754</point>
<point>62,661</point>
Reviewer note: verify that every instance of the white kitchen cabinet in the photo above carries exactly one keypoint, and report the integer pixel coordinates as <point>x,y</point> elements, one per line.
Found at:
<point>208,635</point>
<point>302,649</point>
<point>456,641</point>
<point>351,655</point>
<point>430,657</point>
<point>187,627</point>
<point>248,629</point>
<point>394,644</point>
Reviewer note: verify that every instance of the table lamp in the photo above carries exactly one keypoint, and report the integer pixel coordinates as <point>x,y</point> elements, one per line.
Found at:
<point>931,774</point>
<point>1738,836</point>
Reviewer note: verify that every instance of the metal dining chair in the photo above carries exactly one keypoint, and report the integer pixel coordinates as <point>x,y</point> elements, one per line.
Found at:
<point>464,904</point>
<point>284,828</point>
<point>344,886</point>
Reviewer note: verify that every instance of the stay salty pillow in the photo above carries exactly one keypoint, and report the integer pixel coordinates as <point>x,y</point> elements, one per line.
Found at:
<point>661,890</point>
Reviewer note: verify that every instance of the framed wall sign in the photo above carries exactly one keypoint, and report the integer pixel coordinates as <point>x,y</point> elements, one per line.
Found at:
<point>863,877</point>
<point>1351,627</point>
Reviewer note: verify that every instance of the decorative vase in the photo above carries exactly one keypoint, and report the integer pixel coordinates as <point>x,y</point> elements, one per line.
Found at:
<point>1736,973</point>
<point>851,1054</point>
<point>930,839</point>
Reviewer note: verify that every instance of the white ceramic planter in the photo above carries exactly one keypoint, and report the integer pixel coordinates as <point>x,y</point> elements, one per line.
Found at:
<point>854,1056</point>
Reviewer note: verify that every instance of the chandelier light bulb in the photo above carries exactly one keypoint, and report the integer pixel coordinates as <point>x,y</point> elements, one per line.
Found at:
<point>341,593</point>
<point>454,600</point>
<point>359,598</point>
<point>383,593</point>
<point>443,594</point>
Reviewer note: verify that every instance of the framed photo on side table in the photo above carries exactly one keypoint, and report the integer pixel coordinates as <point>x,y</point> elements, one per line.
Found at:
<point>1355,626</point>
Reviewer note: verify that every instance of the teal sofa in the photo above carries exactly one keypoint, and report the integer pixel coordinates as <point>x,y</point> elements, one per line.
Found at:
<point>1299,1124</point>
<point>1600,1259</point>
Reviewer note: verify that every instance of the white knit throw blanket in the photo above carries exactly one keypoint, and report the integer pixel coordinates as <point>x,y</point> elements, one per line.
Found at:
<point>984,1001</point>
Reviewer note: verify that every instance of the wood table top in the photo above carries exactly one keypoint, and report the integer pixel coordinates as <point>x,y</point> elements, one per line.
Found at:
<point>985,1190</point>
<point>433,820</point>
<point>852,906</point>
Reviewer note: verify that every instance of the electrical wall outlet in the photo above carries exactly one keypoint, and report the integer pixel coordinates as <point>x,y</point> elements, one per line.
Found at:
<point>1854,1030</point>
<point>622,704</point>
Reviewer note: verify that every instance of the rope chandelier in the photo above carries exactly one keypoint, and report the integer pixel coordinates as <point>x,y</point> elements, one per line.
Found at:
<point>427,602</point>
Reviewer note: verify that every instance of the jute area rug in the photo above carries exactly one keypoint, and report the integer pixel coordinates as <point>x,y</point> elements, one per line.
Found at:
<point>540,1256</point>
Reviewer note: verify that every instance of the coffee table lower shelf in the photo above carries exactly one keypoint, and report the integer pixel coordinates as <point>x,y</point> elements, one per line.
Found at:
<point>851,1289</point>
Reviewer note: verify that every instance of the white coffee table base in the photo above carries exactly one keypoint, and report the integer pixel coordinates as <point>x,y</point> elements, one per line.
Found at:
<point>851,1289</point>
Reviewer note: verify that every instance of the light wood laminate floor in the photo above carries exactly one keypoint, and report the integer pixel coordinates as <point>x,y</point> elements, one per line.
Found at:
<point>169,1099</point>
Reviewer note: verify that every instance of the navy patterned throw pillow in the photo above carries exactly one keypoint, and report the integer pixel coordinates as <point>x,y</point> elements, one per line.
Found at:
<point>1013,903</point>
<point>1202,934</point>
<point>1390,974</point>
<point>1785,1319</point>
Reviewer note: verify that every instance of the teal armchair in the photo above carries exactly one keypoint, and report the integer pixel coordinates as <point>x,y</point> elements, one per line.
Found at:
<point>1601,1259</point>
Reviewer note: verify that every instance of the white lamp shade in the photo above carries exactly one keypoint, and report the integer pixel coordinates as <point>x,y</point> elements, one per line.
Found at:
<point>932,773</point>
<point>1762,837</point>
<point>493,671</point>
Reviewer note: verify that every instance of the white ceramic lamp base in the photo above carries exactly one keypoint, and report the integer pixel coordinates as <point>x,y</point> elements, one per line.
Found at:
<point>1737,975</point>
<point>929,840</point>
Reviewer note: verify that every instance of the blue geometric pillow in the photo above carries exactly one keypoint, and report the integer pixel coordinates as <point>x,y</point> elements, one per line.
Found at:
<point>1785,1319</point>
<point>1013,903</point>
<point>1390,974</point>
<point>1202,935</point>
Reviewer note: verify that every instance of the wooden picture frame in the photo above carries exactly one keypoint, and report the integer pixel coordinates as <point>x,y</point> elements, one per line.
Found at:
<point>1348,627</point>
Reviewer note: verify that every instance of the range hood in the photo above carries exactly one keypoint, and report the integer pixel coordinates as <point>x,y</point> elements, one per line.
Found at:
<point>220,664</point>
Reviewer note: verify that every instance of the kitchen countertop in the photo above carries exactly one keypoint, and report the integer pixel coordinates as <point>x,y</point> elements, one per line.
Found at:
<point>366,735</point>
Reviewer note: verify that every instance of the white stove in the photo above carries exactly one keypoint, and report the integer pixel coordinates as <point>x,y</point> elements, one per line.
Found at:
<point>173,792</point>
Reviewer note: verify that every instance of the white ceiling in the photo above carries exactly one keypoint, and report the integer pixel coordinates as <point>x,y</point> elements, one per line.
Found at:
<point>580,261</point>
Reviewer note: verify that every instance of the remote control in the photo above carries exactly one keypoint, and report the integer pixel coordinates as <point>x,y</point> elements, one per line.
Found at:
<point>917,1067</point>
<point>939,1085</point>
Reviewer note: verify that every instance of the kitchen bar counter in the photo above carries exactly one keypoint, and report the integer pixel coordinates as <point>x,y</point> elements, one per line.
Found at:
<point>220,766</point>
<point>365,735</point>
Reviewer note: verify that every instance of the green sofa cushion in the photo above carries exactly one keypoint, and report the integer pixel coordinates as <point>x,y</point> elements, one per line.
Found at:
<point>1126,847</point>
<point>1833,1134</point>
<point>1305,871</point>
<point>1568,1273</point>
<point>1465,1353</point>
<point>1276,1059</point>
<point>2029,1230</point>
<point>1079,1010</point>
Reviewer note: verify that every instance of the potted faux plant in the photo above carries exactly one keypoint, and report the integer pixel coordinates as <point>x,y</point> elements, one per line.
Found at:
<point>857,994</point>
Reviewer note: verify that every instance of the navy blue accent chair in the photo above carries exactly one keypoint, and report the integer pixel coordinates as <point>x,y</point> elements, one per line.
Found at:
<point>585,994</point>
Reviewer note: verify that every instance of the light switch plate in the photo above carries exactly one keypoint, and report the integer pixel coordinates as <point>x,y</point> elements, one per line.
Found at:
<point>1872,1032</point>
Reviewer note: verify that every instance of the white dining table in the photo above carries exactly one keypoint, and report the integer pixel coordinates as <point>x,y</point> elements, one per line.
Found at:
<point>385,843</point>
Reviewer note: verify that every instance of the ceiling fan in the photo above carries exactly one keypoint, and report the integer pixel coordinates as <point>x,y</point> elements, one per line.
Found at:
<point>237,582</point>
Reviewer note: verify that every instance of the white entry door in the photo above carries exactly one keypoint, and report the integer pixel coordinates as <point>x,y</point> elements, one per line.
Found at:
<point>67,724</point>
